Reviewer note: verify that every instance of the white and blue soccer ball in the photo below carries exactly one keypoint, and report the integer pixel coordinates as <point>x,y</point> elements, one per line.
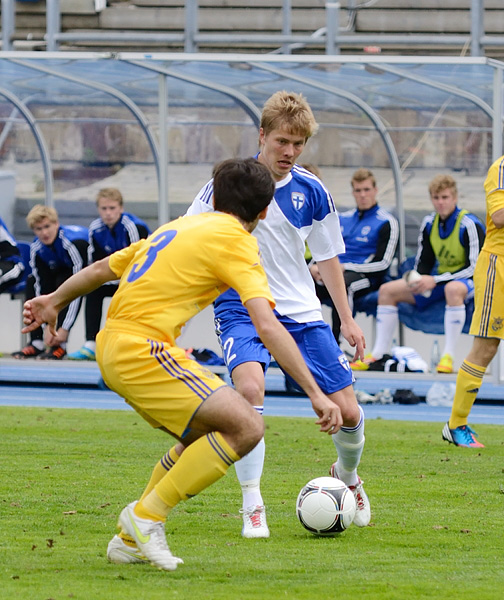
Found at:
<point>325,506</point>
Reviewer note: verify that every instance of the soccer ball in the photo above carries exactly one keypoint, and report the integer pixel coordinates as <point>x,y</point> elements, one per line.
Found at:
<point>325,506</point>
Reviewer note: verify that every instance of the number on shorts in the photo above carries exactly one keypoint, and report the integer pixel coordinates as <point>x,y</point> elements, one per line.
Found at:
<point>227,347</point>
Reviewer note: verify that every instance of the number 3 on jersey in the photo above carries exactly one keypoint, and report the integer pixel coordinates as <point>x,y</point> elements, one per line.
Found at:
<point>158,243</point>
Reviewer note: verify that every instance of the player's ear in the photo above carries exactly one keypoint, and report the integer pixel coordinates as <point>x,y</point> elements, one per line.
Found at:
<point>262,214</point>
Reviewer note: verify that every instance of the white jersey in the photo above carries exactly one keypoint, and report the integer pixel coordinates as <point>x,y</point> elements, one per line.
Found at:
<point>302,211</point>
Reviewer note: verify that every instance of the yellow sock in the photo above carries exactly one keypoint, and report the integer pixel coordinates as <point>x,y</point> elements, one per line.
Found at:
<point>202,463</point>
<point>152,507</point>
<point>469,380</point>
<point>160,470</point>
<point>127,539</point>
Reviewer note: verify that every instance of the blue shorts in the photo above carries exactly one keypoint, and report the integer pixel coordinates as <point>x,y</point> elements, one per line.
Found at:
<point>328,364</point>
<point>438,293</point>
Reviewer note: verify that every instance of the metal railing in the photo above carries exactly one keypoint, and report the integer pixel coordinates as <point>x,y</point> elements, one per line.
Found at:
<point>332,35</point>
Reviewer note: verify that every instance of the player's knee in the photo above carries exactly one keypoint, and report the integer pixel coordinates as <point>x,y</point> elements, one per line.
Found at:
<point>351,415</point>
<point>252,391</point>
<point>387,293</point>
<point>455,293</point>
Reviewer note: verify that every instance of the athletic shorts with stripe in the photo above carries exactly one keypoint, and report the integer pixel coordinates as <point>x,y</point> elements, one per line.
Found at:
<point>164,386</point>
<point>315,340</point>
<point>488,317</point>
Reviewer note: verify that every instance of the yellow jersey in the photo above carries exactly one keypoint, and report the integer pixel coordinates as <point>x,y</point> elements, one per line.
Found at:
<point>180,269</point>
<point>494,190</point>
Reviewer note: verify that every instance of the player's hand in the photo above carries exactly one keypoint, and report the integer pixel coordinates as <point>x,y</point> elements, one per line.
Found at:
<point>315,273</point>
<point>354,335</point>
<point>38,311</point>
<point>55,340</point>
<point>330,419</point>
<point>422,285</point>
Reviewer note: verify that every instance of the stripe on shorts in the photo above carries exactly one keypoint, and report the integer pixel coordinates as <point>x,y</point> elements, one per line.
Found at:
<point>174,369</point>
<point>488,296</point>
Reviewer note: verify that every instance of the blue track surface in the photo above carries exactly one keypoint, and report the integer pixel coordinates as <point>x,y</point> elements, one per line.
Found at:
<point>69,384</point>
<point>275,405</point>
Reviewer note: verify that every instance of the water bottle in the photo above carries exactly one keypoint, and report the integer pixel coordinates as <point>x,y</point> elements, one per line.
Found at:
<point>435,356</point>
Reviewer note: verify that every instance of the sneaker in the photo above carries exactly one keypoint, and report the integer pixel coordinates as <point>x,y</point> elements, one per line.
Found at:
<point>254,522</point>
<point>445,364</point>
<point>362,506</point>
<point>82,354</point>
<point>52,353</point>
<point>462,436</point>
<point>28,351</point>
<point>150,538</point>
<point>121,554</point>
<point>362,365</point>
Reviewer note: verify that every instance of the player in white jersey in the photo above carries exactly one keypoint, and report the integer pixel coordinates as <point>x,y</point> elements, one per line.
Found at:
<point>302,211</point>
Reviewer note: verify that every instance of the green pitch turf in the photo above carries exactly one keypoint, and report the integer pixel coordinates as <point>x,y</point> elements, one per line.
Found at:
<point>436,529</point>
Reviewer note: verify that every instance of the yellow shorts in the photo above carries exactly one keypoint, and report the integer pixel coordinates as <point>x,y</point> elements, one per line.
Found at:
<point>488,317</point>
<point>164,386</point>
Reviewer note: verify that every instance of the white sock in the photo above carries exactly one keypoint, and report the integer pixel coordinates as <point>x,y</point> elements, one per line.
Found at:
<point>249,471</point>
<point>387,317</point>
<point>349,442</point>
<point>39,344</point>
<point>454,319</point>
<point>90,345</point>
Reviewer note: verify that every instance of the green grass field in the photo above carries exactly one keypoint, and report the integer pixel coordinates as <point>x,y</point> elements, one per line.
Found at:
<point>436,529</point>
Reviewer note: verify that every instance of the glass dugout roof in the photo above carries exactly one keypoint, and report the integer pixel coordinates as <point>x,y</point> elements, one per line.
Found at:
<point>372,107</point>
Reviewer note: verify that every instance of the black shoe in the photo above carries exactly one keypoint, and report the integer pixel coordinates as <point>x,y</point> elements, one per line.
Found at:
<point>53,353</point>
<point>28,351</point>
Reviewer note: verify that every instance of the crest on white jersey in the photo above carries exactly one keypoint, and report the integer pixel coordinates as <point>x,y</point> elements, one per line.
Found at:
<point>298,200</point>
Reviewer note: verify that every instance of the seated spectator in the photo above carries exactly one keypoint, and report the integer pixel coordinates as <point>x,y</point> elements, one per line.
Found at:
<point>371,235</point>
<point>11,264</point>
<point>57,252</point>
<point>450,238</point>
<point>112,231</point>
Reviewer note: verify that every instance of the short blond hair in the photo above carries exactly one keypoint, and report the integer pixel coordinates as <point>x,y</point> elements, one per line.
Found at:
<point>40,212</point>
<point>361,175</point>
<point>443,182</point>
<point>110,194</point>
<point>290,111</point>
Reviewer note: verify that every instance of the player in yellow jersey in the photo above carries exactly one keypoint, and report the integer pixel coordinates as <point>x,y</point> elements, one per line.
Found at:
<point>487,324</point>
<point>165,280</point>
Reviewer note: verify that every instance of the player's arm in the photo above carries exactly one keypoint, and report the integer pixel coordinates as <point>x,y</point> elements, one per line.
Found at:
<point>282,346</point>
<point>332,276</point>
<point>498,218</point>
<point>45,309</point>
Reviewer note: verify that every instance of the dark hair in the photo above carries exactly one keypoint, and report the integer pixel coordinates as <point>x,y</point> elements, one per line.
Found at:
<point>242,187</point>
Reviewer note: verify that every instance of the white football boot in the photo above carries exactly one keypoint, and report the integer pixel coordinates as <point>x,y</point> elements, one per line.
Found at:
<point>254,522</point>
<point>120,553</point>
<point>150,538</point>
<point>362,506</point>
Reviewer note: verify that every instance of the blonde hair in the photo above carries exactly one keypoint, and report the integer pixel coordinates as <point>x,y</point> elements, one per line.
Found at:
<point>110,194</point>
<point>290,111</point>
<point>361,175</point>
<point>40,212</point>
<point>443,182</point>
